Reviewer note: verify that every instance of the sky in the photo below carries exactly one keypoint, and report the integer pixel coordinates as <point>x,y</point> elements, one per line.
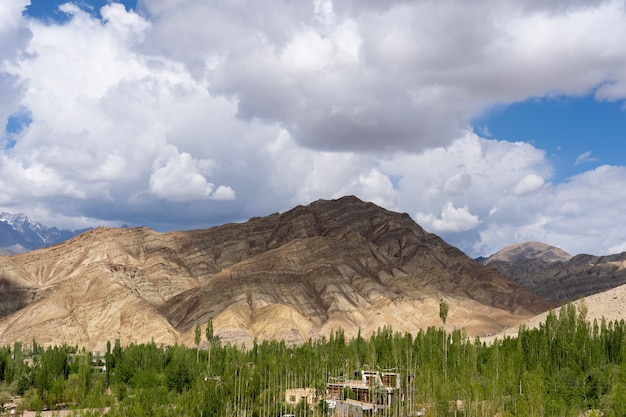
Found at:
<point>490,123</point>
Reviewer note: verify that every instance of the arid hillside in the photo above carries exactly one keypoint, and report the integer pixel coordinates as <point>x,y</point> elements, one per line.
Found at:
<point>294,275</point>
<point>609,305</point>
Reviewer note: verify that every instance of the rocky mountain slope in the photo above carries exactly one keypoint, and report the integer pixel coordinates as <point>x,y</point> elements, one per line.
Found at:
<point>299,274</point>
<point>555,275</point>
<point>20,234</point>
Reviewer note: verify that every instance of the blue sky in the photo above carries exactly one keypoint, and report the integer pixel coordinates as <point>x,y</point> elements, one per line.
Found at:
<point>48,10</point>
<point>185,114</point>
<point>576,132</point>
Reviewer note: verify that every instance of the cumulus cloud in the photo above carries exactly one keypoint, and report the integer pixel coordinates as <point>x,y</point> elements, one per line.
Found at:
<point>14,36</point>
<point>457,183</point>
<point>580,215</point>
<point>193,113</point>
<point>452,219</point>
<point>181,178</point>
<point>372,186</point>
<point>530,183</point>
<point>14,31</point>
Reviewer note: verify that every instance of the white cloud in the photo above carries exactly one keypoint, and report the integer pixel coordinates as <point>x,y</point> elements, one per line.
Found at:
<point>618,248</point>
<point>24,181</point>
<point>130,26</point>
<point>584,157</point>
<point>298,175</point>
<point>371,186</point>
<point>223,192</point>
<point>471,171</point>
<point>452,219</point>
<point>581,215</point>
<point>181,178</point>
<point>14,36</point>
<point>163,117</point>
<point>530,183</point>
<point>457,183</point>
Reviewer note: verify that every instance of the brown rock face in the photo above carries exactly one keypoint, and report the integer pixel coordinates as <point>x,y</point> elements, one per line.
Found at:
<point>299,274</point>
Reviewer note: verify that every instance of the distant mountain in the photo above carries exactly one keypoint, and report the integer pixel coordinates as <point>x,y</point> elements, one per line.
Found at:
<point>555,275</point>
<point>20,234</point>
<point>291,276</point>
<point>528,250</point>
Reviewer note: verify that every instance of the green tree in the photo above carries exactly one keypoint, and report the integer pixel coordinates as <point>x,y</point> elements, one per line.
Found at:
<point>178,373</point>
<point>443,310</point>
<point>209,337</point>
<point>209,330</point>
<point>443,314</point>
<point>197,335</point>
<point>197,340</point>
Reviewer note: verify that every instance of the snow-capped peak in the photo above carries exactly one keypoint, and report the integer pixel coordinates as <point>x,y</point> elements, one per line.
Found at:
<point>21,222</point>
<point>19,229</point>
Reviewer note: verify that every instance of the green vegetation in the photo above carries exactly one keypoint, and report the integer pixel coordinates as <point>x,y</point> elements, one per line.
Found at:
<point>563,368</point>
<point>443,310</point>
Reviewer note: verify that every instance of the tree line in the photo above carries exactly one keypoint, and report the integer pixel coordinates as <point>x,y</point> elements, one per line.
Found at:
<point>564,367</point>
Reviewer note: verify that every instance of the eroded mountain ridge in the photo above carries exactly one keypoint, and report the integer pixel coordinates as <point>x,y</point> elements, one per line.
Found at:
<point>294,275</point>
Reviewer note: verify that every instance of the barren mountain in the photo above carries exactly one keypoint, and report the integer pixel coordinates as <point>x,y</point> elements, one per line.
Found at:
<point>299,274</point>
<point>529,250</point>
<point>609,305</point>
<point>554,275</point>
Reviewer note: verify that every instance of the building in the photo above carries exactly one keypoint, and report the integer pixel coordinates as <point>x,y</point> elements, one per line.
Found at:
<point>352,408</point>
<point>294,396</point>
<point>374,390</point>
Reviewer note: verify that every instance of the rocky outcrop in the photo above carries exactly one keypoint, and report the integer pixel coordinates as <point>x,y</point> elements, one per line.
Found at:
<point>295,275</point>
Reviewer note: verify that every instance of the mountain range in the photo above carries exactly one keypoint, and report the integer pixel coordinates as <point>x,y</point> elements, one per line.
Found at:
<point>21,234</point>
<point>295,275</point>
<point>555,275</point>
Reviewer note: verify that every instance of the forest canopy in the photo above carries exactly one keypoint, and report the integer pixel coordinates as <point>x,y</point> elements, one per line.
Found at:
<point>564,367</point>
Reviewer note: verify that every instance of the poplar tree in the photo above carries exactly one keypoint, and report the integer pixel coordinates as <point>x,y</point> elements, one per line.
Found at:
<point>197,340</point>
<point>443,310</point>
<point>197,335</point>
<point>209,338</point>
<point>209,330</point>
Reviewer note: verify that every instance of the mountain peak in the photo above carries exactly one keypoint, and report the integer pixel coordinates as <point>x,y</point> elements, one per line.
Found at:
<point>554,275</point>
<point>20,234</point>
<point>16,219</point>
<point>530,250</point>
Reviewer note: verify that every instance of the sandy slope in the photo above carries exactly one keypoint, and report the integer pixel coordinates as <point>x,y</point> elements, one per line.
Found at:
<point>610,305</point>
